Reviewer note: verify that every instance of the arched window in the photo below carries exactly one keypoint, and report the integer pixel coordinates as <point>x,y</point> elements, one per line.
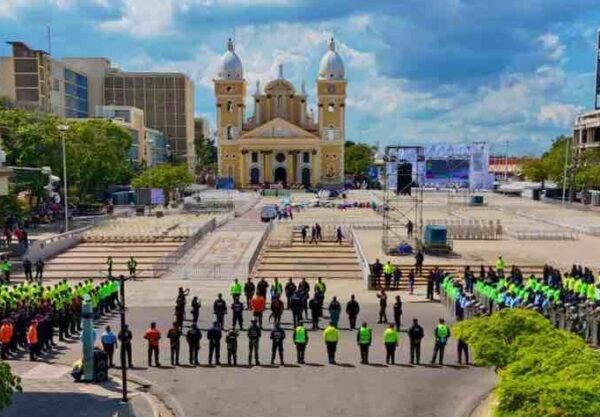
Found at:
<point>230,106</point>
<point>330,108</point>
<point>254,176</point>
<point>229,132</point>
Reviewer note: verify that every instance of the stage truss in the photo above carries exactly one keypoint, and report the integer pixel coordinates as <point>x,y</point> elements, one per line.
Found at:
<point>398,209</point>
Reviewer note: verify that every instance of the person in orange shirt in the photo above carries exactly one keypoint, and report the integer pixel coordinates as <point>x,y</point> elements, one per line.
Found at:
<point>6,335</point>
<point>153,336</point>
<point>258,307</point>
<point>32,340</point>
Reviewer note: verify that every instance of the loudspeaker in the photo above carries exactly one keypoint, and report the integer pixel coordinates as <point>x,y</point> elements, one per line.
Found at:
<point>405,181</point>
<point>100,365</point>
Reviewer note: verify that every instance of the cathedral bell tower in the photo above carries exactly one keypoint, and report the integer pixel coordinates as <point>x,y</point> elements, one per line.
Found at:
<point>331,97</point>
<point>230,94</point>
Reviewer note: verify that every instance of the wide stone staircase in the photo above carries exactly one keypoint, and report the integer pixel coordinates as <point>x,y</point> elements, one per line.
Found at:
<point>327,259</point>
<point>88,259</point>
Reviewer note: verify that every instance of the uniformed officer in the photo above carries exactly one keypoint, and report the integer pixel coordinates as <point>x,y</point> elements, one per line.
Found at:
<point>441,334</point>
<point>254,334</point>
<point>277,337</point>
<point>174,335</point>
<point>331,335</point>
<point>220,309</point>
<point>193,337</point>
<point>235,290</point>
<point>238,310</point>
<point>364,338</point>
<point>300,340</point>
<point>390,340</point>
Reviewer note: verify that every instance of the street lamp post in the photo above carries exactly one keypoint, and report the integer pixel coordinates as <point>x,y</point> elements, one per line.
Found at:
<point>63,130</point>
<point>122,281</point>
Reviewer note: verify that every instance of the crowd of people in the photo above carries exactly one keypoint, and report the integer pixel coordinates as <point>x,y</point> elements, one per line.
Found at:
<point>31,314</point>
<point>497,289</point>
<point>297,299</point>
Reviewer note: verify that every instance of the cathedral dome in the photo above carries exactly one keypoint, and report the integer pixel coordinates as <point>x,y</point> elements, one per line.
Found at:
<point>231,65</point>
<point>332,66</point>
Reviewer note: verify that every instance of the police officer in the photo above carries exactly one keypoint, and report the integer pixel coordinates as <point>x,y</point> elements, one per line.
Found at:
<point>304,287</point>
<point>331,335</point>
<point>231,342</point>
<point>195,309</point>
<point>382,306</point>
<point>109,343</point>
<point>174,335</point>
<point>131,266</point>
<point>220,309</point>
<point>352,310</point>
<point>238,310</point>
<point>415,334</point>
<point>397,312</point>
<point>249,289</point>
<point>388,270</point>
<point>441,334</point>
<point>364,338</point>
<point>193,337</point>
<point>277,337</point>
<point>296,307</point>
<point>290,290</point>
<point>335,309</point>
<point>214,335</point>
<point>125,337</point>
<point>390,340</point>
<point>300,340</point>
<point>235,290</point>
<point>254,334</point>
<point>315,311</point>
<point>463,349</point>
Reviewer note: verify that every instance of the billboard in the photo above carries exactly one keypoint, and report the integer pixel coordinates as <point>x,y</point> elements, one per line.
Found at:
<point>447,169</point>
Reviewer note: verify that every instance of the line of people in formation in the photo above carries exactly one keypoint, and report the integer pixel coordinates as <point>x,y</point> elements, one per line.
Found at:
<point>297,302</point>
<point>31,313</point>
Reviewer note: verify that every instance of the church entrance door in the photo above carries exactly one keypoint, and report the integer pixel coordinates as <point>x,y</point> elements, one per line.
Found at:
<point>280,175</point>
<point>306,177</point>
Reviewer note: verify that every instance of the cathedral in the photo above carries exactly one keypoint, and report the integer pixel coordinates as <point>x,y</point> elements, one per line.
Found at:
<point>281,142</point>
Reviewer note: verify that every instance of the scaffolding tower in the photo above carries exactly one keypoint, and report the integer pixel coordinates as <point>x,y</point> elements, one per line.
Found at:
<point>402,204</point>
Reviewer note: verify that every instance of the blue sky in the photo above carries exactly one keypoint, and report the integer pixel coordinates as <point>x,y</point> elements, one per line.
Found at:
<point>426,71</point>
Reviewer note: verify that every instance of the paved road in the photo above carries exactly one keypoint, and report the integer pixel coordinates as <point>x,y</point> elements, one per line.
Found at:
<point>349,389</point>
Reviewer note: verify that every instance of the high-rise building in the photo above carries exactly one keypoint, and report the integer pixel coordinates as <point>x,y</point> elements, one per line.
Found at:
<point>167,100</point>
<point>75,87</point>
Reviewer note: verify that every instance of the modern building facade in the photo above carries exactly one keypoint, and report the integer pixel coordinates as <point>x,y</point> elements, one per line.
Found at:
<point>167,100</point>
<point>149,146</point>
<point>282,142</point>
<point>75,87</point>
<point>586,130</point>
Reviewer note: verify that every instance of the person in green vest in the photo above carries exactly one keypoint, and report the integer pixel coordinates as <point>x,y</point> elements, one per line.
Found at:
<point>388,270</point>
<point>331,335</point>
<point>500,266</point>
<point>235,290</point>
<point>300,340</point>
<point>6,267</point>
<point>364,338</point>
<point>320,286</point>
<point>441,335</point>
<point>276,289</point>
<point>132,266</point>
<point>390,340</point>
<point>109,264</point>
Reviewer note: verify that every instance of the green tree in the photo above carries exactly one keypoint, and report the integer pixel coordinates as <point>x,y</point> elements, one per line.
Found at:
<point>166,176</point>
<point>358,158</point>
<point>535,170</point>
<point>206,154</point>
<point>9,383</point>
<point>544,372</point>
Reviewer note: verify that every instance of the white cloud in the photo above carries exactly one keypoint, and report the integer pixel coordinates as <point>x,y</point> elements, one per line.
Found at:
<point>9,8</point>
<point>559,114</point>
<point>552,45</point>
<point>143,18</point>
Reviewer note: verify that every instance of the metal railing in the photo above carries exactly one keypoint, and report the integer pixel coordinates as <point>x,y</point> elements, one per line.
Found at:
<point>365,269</point>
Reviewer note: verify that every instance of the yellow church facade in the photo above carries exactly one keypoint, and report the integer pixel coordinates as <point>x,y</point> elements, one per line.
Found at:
<point>281,142</point>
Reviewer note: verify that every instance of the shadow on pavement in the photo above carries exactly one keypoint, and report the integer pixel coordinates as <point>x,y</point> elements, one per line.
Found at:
<point>459,367</point>
<point>345,365</point>
<point>70,405</point>
<point>314,364</point>
<point>404,365</point>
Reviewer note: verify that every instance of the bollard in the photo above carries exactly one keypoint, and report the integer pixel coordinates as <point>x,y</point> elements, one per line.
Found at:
<point>87,338</point>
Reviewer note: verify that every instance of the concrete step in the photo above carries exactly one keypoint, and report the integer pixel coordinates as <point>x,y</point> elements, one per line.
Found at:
<point>269,260</point>
<point>309,274</point>
<point>312,249</point>
<point>308,267</point>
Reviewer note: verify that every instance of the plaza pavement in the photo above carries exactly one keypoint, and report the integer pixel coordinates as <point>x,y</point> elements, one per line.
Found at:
<point>348,389</point>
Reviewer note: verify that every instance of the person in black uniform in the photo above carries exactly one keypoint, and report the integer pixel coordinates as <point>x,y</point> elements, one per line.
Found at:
<point>195,309</point>
<point>352,310</point>
<point>290,290</point>
<point>214,335</point>
<point>304,286</point>
<point>174,335</point>
<point>262,287</point>
<point>231,342</point>
<point>249,289</point>
<point>296,307</point>
<point>27,268</point>
<point>415,334</point>
<point>316,309</point>
<point>220,309</point>
<point>238,310</point>
<point>277,337</point>
<point>254,334</point>
<point>193,337</point>
<point>397,312</point>
<point>125,337</point>
<point>377,269</point>
<point>382,307</point>
<point>430,283</point>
